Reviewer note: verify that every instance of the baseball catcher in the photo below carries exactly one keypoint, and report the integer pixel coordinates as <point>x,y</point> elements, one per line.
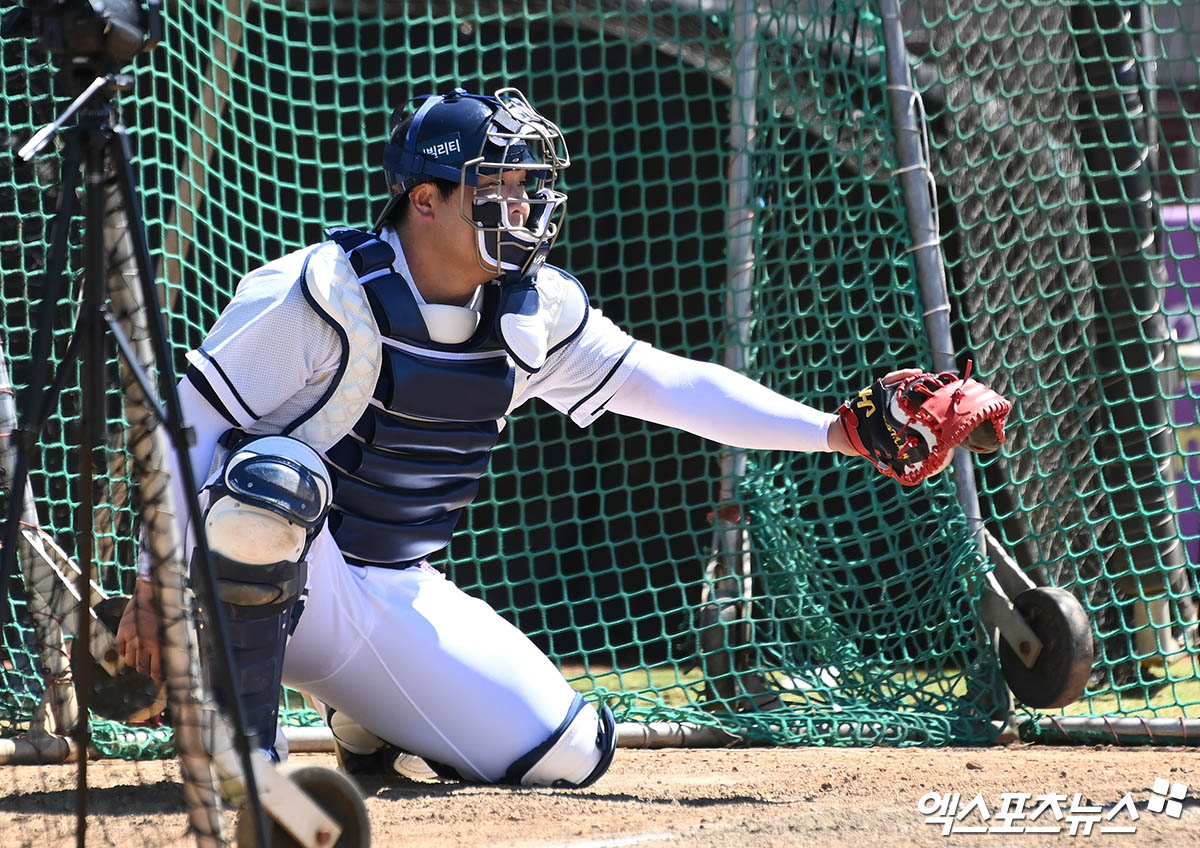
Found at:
<point>345,407</point>
<point>909,422</point>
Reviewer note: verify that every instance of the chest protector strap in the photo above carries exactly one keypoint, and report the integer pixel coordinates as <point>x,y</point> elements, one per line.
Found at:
<point>412,461</point>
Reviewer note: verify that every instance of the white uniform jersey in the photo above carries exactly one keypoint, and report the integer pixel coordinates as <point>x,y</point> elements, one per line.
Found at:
<point>270,358</point>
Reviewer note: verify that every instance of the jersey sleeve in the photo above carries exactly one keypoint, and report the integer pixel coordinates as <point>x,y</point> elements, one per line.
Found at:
<point>265,348</point>
<point>590,358</point>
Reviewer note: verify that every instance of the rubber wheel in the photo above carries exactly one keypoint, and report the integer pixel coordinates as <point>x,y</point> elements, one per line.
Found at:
<point>1061,671</point>
<point>335,793</point>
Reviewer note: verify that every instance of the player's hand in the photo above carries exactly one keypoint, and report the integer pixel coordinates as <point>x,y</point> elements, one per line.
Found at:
<point>137,634</point>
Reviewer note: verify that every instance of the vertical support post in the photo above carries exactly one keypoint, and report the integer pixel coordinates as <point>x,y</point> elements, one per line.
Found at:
<point>743,119</point>
<point>179,234</point>
<point>908,123</point>
<point>724,620</point>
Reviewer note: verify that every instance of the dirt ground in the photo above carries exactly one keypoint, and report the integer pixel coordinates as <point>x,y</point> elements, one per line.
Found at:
<point>733,798</point>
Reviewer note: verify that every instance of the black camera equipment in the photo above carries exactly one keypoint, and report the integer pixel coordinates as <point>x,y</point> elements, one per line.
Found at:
<point>89,38</point>
<point>90,41</point>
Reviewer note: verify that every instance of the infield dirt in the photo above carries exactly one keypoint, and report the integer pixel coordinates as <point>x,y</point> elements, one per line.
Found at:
<point>745,797</point>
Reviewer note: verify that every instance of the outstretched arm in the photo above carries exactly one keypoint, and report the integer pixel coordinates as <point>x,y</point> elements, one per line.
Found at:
<point>712,401</point>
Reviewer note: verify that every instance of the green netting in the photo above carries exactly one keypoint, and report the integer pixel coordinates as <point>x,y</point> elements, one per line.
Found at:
<point>1051,138</point>
<point>256,125</point>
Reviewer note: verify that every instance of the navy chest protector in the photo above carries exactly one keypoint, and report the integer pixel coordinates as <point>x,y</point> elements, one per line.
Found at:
<point>404,475</point>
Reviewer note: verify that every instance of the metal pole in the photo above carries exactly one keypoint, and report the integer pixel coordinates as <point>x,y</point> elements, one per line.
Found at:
<point>630,734</point>
<point>908,122</point>
<point>1129,730</point>
<point>740,216</point>
<point>724,618</point>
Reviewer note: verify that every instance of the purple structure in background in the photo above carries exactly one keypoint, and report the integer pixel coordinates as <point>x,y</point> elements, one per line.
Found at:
<point>1181,304</point>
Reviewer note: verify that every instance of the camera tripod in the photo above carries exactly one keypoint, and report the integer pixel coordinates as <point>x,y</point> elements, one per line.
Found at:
<point>118,297</point>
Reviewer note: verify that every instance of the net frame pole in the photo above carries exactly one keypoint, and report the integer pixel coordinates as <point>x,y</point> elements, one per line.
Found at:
<point>1129,730</point>
<point>630,734</point>
<point>916,179</point>
<point>724,617</point>
<point>740,218</point>
<point>57,710</point>
<point>998,616</point>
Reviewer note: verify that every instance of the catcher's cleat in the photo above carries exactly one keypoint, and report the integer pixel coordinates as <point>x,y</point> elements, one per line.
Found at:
<point>358,751</point>
<point>378,763</point>
<point>361,753</point>
<point>386,763</point>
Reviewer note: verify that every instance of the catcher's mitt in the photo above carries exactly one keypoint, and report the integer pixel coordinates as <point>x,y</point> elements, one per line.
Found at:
<point>908,427</point>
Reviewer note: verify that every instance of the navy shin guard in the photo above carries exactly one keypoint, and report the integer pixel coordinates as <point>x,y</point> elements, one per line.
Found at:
<point>257,647</point>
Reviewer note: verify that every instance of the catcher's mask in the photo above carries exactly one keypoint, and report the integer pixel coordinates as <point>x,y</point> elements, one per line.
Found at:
<point>472,140</point>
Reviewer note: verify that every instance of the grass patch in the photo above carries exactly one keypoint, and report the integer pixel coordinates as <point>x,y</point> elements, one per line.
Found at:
<point>664,684</point>
<point>1177,695</point>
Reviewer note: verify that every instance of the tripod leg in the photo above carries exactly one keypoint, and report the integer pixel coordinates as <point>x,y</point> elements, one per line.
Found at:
<point>35,402</point>
<point>202,735</point>
<point>192,713</point>
<point>56,258</point>
<point>57,711</point>
<point>91,429</point>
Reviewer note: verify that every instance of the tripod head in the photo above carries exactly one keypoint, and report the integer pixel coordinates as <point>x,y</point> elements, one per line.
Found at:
<point>90,40</point>
<point>87,38</point>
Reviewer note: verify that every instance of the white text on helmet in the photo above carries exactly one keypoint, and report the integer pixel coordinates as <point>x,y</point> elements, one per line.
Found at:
<point>442,147</point>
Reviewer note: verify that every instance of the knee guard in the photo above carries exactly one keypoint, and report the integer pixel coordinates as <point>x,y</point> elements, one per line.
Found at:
<point>576,755</point>
<point>264,509</point>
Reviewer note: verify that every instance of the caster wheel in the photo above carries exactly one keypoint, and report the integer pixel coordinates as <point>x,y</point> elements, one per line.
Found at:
<point>334,793</point>
<point>129,697</point>
<point>1061,671</point>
